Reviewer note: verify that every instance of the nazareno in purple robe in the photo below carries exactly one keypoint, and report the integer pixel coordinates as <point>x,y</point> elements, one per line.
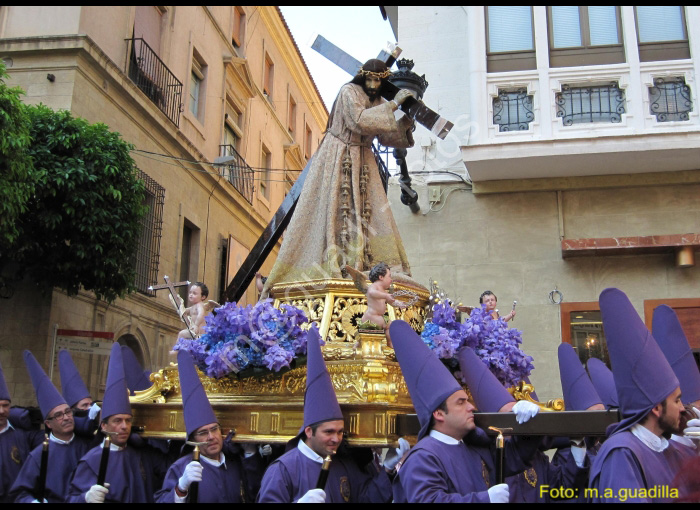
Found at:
<point>624,465</point>
<point>224,484</point>
<point>293,474</point>
<point>134,475</point>
<point>435,472</point>
<point>63,458</point>
<point>15,445</point>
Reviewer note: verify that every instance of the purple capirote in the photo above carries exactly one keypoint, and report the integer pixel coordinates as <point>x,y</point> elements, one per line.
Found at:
<point>603,381</point>
<point>137,379</point>
<point>669,334</point>
<point>643,377</point>
<point>429,381</point>
<point>487,391</point>
<point>72,386</point>
<point>197,409</point>
<point>116,398</point>
<point>320,402</point>
<point>47,395</point>
<point>579,392</point>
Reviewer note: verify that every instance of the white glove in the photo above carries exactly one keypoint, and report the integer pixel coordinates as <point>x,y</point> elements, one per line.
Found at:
<point>94,410</point>
<point>499,493</point>
<point>248,449</point>
<point>313,496</point>
<point>265,450</point>
<point>97,493</point>
<point>525,410</point>
<point>693,426</point>
<point>193,473</point>
<point>394,455</point>
<point>37,501</point>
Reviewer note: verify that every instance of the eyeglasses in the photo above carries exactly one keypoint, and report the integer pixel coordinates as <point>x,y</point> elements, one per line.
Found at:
<point>203,434</point>
<point>59,415</point>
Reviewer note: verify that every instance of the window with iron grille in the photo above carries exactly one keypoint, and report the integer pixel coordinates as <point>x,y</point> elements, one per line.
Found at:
<point>593,103</point>
<point>669,99</point>
<point>512,110</point>
<point>147,255</point>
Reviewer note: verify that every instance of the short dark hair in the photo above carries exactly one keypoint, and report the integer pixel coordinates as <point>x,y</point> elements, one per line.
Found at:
<point>205,289</point>
<point>377,271</point>
<point>441,407</point>
<point>486,293</point>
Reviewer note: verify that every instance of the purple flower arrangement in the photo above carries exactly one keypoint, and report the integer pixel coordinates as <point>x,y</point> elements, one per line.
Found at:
<point>492,340</point>
<point>258,336</point>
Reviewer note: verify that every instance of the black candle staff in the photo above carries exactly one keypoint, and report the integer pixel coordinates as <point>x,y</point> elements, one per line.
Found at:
<point>102,474</point>
<point>193,491</point>
<point>41,484</point>
<point>323,475</point>
<point>500,453</point>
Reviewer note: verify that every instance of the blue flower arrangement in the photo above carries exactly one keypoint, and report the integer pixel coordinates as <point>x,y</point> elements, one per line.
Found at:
<point>492,340</point>
<point>258,336</point>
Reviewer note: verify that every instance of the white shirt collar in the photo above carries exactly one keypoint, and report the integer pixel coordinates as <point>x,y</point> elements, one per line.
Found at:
<point>112,447</point>
<point>651,440</point>
<point>308,452</point>
<point>443,438</point>
<point>684,441</point>
<point>7,427</point>
<point>212,462</point>
<point>54,439</point>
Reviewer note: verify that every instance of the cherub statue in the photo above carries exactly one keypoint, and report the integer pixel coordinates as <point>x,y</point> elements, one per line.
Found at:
<point>377,295</point>
<point>194,315</point>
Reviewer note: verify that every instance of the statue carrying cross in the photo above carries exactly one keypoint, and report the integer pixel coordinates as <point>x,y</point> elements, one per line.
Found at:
<point>175,299</point>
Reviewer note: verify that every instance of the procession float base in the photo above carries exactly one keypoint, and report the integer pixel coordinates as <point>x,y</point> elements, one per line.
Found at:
<point>268,407</point>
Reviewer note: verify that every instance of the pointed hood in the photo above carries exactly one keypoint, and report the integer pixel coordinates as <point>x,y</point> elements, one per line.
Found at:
<point>669,334</point>
<point>47,395</point>
<point>4,391</point>
<point>197,409</point>
<point>428,380</point>
<point>603,381</point>
<point>579,392</point>
<point>72,385</point>
<point>137,379</point>
<point>320,402</point>
<point>488,393</point>
<point>116,399</point>
<point>643,377</point>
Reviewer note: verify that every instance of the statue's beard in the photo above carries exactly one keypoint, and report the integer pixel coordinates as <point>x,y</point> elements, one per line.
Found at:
<point>372,94</point>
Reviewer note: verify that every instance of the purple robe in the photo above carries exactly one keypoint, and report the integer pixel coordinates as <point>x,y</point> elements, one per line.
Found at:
<point>62,461</point>
<point>134,475</point>
<point>681,453</point>
<point>563,456</point>
<point>525,487</point>
<point>435,472</point>
<point>15,445</point>
<point>224,484</point>
<point>293,474</point>
<point>624,465</point>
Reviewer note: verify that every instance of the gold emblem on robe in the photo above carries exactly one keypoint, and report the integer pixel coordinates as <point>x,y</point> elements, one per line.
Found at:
<point>345,488</point>
<point>14,454</point>
<point>530,476</point>
<point>485,473</point>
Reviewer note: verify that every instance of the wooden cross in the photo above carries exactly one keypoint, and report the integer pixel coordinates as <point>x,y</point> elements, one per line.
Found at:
<point>171,288</point>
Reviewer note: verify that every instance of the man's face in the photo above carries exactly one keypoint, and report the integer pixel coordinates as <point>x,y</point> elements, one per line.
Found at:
<point>327,438</point>
<point>459,418</point>
<point>60,421</point>
<point>119,428</point>
<point>211,434</point>
<point>84,404</point>
<point>371,87</point>
<point>670,419</point>
<point>4,413</point>
<point>195,295</point>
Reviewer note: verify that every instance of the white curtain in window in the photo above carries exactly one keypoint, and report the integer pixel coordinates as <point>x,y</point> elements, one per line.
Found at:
<point>510,28</point>
<point>602,21</point>
<point>566,26</point>
<point>660,23</point>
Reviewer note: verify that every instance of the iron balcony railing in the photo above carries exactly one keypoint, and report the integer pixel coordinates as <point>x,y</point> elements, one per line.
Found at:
<point>669,99</point>
<point>604,103</point>
<point>147,256</point>
<point>512,110</point>
<point>239,172</point>
<point>381,155</point>
<point>153,77</point>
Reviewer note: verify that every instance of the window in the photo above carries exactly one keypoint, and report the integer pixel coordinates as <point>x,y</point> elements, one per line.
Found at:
<point>197,88</point>
<point>233,125</point>
<point>512,110</point>
<point>292,121</point>
<point>585,35</point>
<point>239,21</point>
<point>307,143</point>
<point>669,99</point>
<point>266,164</point>
<point>582,327</point>
<point>662,33</point>
<point>509,38</point>
<point>268,78</point>
<point>189,256</point>
<point>147,256</point>
<point>600,103</point>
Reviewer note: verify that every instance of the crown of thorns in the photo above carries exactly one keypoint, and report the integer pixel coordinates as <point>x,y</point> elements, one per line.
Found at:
<point>382,75</point>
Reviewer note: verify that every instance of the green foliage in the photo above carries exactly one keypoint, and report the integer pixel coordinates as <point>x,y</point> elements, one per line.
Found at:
<point>16,183</point>
<point>81,227</point>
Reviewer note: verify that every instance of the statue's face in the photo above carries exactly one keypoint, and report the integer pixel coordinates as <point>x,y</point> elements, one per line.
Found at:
<point>371,87</point>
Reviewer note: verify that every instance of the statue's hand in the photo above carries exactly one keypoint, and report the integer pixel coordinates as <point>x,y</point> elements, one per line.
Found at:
<point>401,96</point>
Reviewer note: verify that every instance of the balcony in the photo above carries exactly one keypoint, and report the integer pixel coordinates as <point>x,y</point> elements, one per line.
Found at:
<point>239,173</point>
<point>153,77</point>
